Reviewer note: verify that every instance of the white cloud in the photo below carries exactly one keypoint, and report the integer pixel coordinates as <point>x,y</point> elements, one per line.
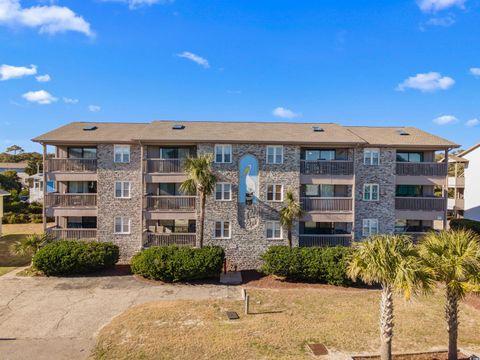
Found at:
<point>40,97</point>
<point>438,5</point>
<point>445,120</point>
<point>43,78</point>
<point>475,71</point>
<point>427,82</point>
<point>14,72</point>
<point>195,58</point>
<point>69,100</point>
<point>472,122</point>
<point>441,21</point>
<point>50,19</point>
<point>284,113</point>
<point>135,4</point>
<point>94,108</point>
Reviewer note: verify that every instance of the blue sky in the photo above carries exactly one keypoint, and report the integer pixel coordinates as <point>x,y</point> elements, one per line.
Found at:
<point>388,63</point>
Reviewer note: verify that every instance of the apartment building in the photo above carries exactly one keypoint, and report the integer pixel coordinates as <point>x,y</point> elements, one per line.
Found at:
<point>120,182</point>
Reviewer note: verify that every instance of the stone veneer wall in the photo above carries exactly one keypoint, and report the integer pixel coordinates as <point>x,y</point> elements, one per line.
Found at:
<point>384,175</point>
<point>109,207</point>
<point>244,248</point>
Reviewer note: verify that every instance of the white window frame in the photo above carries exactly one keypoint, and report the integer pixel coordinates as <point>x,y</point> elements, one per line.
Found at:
<point>124,151</point>
<point>123,219</point>
<point>124,185</point>
<point>222,191</point>
<point>372,225</point>
<point>274,192</point>
<point>222,222</point>
<point>371,187</point>
<point>368,156</point>
<point>222,148</point>
<point>277,150</point>
<point>275,225</point>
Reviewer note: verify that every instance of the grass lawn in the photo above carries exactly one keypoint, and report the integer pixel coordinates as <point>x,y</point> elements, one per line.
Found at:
<point>345,320</point>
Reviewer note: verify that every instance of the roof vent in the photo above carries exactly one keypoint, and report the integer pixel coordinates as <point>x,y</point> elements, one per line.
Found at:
<point>402,132</point>
<point>317,129</point>
<point>90,128</point>
<point>178,127</point>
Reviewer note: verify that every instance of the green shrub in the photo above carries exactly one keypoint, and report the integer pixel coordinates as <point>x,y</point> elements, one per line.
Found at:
<point>36,218</point>
<point>473,225</point>
<point>326,265</point>
<point>75,257</point>
<point>172,263</point>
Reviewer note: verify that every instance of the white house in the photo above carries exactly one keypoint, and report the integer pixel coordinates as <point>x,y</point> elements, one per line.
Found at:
<point>472,182</point>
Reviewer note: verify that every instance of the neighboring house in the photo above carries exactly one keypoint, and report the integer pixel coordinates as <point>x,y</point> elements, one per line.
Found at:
<point>456,186</point>
<point>120,182</point>
<point>3,193</point>
<point>35,185</point>
<point>19,168</point>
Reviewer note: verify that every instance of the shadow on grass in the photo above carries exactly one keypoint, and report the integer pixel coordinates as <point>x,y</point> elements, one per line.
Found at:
<point>7,259</point>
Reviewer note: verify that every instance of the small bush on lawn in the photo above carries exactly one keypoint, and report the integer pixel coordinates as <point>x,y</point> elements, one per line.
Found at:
<point>75,257</point>
<point>326,265</point>
<point>458,224</point>
<point>172,263</point>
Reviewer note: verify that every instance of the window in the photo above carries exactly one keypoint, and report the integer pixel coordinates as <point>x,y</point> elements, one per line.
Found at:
<point>409,190</point>
<point>274,154</point>
<point>370,192</point>
<point>222,229</point>
<point>223,191</point>
<point>122,189</point>
<point>370,227</point>
<point>223,154</point>
<point>82,153</point>
<point>274,192</point>
<point>122,153</point>
<point>274,230</point>
<point>371,156</point>
<point>122,225</point>
<point>325,154</point>
<point>409,156</point>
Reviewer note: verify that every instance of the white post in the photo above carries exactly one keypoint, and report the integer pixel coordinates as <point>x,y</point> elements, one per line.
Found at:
<point>44,208</point>
<point>247,304</point>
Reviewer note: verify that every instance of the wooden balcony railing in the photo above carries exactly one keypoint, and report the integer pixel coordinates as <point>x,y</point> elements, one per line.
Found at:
<point>420,203</point>
<point>70,200</point>
<point>325,240</point>
<point>421,169</point>
<point>165,239</point>
<point>171,203</point>
<point>71,165</point>
<point>165,166</point>
<point>334,167</point>
<point>72,234</point>
<point>327,204</point>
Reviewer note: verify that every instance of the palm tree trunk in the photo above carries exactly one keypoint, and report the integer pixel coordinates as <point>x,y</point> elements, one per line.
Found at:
<point>451,314</point>
<point>289,234</point>
<point>386,323</point>
<point>202,220</point>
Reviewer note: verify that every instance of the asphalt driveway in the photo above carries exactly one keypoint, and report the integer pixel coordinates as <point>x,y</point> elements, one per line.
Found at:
<point>58,318</point>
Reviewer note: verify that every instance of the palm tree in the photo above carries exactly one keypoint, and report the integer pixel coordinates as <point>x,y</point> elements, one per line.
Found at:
<point>391,261</point>
<point>29,245</point>
<point>201,182</point>
<point>454,259</point>
<point>289,213</point>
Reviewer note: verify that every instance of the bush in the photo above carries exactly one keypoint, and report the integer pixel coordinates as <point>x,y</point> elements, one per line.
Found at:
<point>173,263</point>
<point>75,257</point>
<point>473,225</point>
<point>326,265</point>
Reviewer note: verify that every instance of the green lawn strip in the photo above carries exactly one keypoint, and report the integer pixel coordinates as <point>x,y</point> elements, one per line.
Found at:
<point>8,261</point>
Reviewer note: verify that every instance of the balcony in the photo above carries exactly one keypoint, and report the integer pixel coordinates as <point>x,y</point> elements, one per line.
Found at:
<point>71,165</point>
<point>72,234</point>
<point>420,203</point>
<point>166,239</point>
<point>165,166</point>
<point>327,204</point>
<point>421,169</point>
<point>321,167</point>
<point>171,203</point>
<point>456,204</point>
<point>70,200</point>
<point>325,240</point>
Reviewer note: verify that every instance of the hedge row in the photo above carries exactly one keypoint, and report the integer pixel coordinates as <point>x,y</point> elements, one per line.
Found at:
<point>75,257</point>
<point>473,225</point>
<point>172,263</point>
<point>326,265</point>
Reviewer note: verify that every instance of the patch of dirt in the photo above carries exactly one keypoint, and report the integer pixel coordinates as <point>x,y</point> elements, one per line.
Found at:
<point>473,300</point>
<point>440,355</point>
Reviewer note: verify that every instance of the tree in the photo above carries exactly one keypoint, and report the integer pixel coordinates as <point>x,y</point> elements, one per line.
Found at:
<point>453,257</point>
<point>34,166</point>
<point>15,149</point>
<point>9,180</point>
<point>291,212</point>
<point>29,245</point>
<point>201,182</point>
<point>392,261</point>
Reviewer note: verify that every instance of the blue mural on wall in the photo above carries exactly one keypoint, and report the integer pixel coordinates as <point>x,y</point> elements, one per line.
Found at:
<point>248,189</point>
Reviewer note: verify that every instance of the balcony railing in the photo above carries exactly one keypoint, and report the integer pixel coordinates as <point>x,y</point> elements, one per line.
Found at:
<point>171,203</point>
<point>165,166</point>
<point>415,236</point>
<point>327,204</point>
<point>334,167</point>
<point>165,239</point>
<point>420,203</point>
<point>325,240</point>
<point>71,200</point>
<point>72,234</point>
<point>71,165</point>
<point>421,169</point>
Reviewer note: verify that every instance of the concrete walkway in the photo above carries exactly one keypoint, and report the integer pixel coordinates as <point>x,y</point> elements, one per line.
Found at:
<point>58,318</point>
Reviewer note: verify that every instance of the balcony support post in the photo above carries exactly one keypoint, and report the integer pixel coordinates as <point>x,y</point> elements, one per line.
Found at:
<point>44,170</point>
<point>445,193</point>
